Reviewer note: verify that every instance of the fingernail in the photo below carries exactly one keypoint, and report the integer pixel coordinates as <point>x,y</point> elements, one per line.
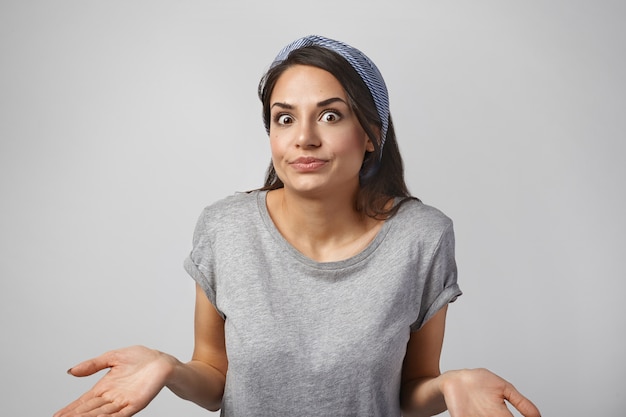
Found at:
<point>69,371</point>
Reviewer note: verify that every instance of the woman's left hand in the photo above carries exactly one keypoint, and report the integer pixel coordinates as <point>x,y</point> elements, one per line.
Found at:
<point>481,393</point>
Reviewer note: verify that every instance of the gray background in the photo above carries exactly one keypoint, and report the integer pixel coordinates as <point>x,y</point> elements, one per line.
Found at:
<point>120,120</point>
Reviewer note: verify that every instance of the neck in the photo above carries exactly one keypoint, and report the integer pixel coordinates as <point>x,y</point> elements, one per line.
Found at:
<point>323,229</point>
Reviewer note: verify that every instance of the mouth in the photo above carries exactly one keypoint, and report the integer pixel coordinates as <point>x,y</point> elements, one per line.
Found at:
<point>307,164</point>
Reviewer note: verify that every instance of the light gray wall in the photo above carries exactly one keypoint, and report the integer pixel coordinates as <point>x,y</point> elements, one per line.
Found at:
<point>120,120</point>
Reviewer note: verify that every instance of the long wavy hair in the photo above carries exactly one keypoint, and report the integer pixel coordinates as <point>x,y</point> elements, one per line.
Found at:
<point>382,174</point>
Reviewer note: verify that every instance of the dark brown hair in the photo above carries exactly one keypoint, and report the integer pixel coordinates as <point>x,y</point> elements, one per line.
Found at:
<point>381,177</point>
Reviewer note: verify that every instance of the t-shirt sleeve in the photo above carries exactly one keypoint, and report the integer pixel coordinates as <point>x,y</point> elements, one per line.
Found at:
<point>200,262</point>
<point>440,285</point>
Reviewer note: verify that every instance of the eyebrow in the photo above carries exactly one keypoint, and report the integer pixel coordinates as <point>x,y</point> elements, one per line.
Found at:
<point>319,104</point>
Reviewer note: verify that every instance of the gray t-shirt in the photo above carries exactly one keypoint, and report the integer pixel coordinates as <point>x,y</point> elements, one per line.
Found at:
<point>307,338</point>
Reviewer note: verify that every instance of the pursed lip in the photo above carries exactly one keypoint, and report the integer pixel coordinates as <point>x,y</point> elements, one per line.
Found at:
<point>307,163</point>
<point>306,160</point>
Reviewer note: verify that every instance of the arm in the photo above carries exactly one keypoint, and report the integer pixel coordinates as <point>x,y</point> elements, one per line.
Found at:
<point>202,379</point>
<point>420,395</point>
<point>469,392</point>
<point>137,374</point>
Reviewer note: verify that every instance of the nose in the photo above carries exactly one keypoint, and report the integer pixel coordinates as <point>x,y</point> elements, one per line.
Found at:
<point>307,135</point>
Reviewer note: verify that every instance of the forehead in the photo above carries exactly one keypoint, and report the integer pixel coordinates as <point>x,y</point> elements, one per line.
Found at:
<point>301,82</point>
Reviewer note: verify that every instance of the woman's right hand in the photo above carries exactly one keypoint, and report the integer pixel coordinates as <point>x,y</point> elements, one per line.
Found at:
<point>136,375</point>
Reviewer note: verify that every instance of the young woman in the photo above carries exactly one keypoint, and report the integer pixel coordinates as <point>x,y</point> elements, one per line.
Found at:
<point>325,292</point>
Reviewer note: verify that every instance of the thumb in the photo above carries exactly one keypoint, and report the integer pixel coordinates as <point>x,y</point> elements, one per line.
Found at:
<point>90,367</point>
<point>521,403</point>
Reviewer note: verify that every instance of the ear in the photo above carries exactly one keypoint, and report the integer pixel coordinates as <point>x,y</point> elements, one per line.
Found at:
<point>369,146</point>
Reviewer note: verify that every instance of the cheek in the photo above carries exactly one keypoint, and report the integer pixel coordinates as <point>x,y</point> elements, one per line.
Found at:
<point>353,142</point>
<point>277,153</point>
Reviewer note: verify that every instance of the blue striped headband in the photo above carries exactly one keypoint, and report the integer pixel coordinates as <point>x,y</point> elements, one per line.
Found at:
<point>366,69</point>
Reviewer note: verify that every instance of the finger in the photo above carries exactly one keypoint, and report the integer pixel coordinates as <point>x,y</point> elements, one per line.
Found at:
<point>113,409</point>
<point>521,403</point>
<point>99,407</point>
<point>108,409</point>
<point>90,366</point>
<point>85,403</point>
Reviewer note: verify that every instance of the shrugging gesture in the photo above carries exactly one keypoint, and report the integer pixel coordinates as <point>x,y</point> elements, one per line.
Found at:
<point>317,280</point>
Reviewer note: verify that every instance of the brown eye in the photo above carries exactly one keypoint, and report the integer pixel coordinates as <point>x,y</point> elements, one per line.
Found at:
<point>284,119</point>
<point>330,116</point>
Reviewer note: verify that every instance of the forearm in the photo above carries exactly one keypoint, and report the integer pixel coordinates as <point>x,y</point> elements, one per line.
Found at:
<point>423,397</point>
<point>198,382</point>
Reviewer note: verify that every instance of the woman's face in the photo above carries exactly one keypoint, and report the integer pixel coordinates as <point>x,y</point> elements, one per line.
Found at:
<point>317,142</point>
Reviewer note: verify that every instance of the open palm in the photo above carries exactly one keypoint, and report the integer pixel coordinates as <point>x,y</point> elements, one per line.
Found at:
<point>480,393</point>
<point>136,375</point>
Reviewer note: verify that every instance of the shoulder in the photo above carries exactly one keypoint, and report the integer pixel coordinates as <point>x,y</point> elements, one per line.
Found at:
<point>419,225</point>
<point>416,214</point>
<point>233,206</point>
<point>229,212</point>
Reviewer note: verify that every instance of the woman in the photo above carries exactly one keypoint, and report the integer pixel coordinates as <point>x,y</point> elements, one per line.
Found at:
<point>325,292</point>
